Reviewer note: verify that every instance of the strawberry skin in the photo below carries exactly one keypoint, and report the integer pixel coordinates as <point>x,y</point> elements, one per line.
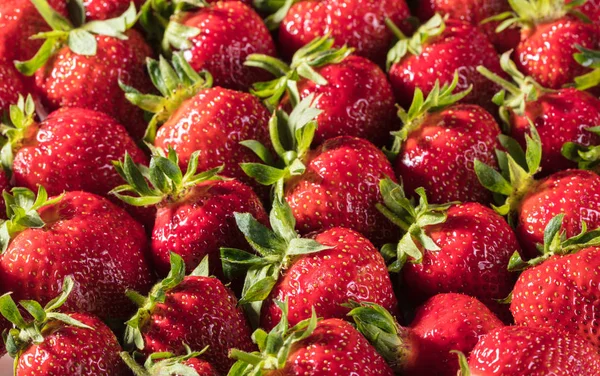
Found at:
<point>439,154</point>
<point>229,32</point>
<point>352,270</point>
<point>357,23</point>
<point>560,293</point>
<point>89,238</point>
<point>591,8</point>
<point>214,122</point>
<point>460,47</point>
<point>559,117</point>
<point>546,52</point>
<point>448,322</point>
<point>202,367</point>
<point>517,351</point>
<point>202,222</point>
<point>201,311</point>
<point>11,85</point>
<point>69,350</point>
<point>357,101</point>
<point>92,82</point>
<point>334,348</point>
<point>340,188</point>
<point>106,9</point>
<point>576,193</point>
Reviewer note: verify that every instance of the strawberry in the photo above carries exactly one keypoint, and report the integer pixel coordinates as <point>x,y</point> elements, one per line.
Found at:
<point>463,248</point>
<point>335,266</point>
<point>530,204</point>
<point>590,8</point>
<point>517,351</point>
<point>168,364</point>
<point>55,343</point>
<point>11,86</point>
<point>353,93</point>
<point>445,322</point>
<point>195,212</point>
<point>550,31</point>
<point>438,142</point>
<point>554,290</point>
<point>106,9</point>
<point>78,234</point>
<point>310,348</point>
<point>195,117</point>
<point>81,65</point>
<point>560,116</point>
<point>360,24</point>
<point>475,12</point>
<point>436,51</point>
<point>196,309</point>
<point>334,185</point>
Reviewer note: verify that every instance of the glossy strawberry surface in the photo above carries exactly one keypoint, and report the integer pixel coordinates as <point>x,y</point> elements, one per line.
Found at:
<point>88,238</point>
<point>201,312</point>
<point>92,82</point>
<point>334,348</point>
<point>576,193</point>
<point>439,155</point>
<point>460,48</point>
<point>107,9</point>
<point>517,351</point>
<point>352,269</point>
<point>340,188</point>
<point>69,350</point>
<point>229,32</point>
<point>11,85</point>
<point>357,23</point>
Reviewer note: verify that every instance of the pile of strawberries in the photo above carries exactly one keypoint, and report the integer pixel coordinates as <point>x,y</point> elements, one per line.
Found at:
<point>300,187</point>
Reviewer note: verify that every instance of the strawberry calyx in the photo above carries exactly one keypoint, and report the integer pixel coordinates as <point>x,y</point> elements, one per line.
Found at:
<point>133,335</point>
<point>589,59</point>
<point>163,363</point>
<point>517,170</point>
<point>79,36</point>
<point>276,250</point>
<point>529,13</point>
<point>19,128</point>
<point>587,157</point>
<point>22,212</point>
<point>291,137</point>
<point>162,181</point>
<point>556,243</point>
<point>463,363</point>
<point>277,10</point>
<point>412,219</point>
<point>413,45</point>
<point>395,343</point>
<point>30,332</point>
<point>318,53</point>
<point>438,99</point>
<point>274,347</point>
<point>176,82</point>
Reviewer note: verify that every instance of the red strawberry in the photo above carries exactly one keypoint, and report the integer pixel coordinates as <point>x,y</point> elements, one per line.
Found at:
<point>107,9</point>
<point>475,12</point>
<point>549,35</point>
<point>168,364</point>
<point>56,343</point>
<point>557,288</point>
<point>353,93</point>
<point>78,234</point>
<point>436,52</point>
<point>11,85</point>
<point>337,266</point>
<point>462,248</point>
<point>197,309</point>
<point>311,348</point>
<point>360,24</point>
<point>445,322</point>
<point>195,117</point>
<point>517,351</point>
<point>194,212</point>
<point>591,8</point>
<point>438,143</point>
<point>84,71</point>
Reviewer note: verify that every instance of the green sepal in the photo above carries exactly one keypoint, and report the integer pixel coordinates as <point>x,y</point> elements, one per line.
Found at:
<point>412,218</point>
<point>589,59</point>
<point>80,39</point>
<point>587,157</point>
<point>273,347</point>
<point>163,363</point>
<point>439,98</point>
<point>163,180</point>
<point>277,10</point>
<point>30,332</point>
<point>463,363</point>
<point>19,127</point>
